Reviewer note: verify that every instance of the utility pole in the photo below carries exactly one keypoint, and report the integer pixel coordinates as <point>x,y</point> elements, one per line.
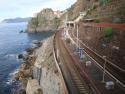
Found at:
<point>77,36</point>
<point>103,76</point>
<point>66,18</point>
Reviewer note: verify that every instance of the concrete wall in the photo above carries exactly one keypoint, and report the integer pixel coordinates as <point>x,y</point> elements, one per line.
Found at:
<point>45,71</point>
<point>33,87</point>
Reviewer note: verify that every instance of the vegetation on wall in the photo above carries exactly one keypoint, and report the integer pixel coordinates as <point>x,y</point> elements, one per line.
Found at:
<point>104,2</point>
<point>34,23</point>
<point>108,33</point>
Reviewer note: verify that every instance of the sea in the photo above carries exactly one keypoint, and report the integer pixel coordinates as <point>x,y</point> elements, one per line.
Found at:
<point>12,43</point>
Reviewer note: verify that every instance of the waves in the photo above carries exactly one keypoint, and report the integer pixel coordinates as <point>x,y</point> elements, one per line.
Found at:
<point>11,76</point>
<point>6,57</point>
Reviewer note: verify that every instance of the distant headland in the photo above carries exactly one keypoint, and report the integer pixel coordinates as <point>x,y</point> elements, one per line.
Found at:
<point>16,20</point>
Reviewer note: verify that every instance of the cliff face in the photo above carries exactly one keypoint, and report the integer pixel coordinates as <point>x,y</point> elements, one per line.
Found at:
<point>46,20</point>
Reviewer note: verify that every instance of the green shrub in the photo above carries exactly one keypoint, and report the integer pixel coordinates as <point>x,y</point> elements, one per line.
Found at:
<point>34,21</point>
<point>97,21</point>
<point>108,33</point>
<point>103,2</point>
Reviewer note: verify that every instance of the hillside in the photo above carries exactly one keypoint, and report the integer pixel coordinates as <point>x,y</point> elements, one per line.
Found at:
<point>74,11</point>
<point>107,8</point>
<point>16,20</point>
<point>112,10</point>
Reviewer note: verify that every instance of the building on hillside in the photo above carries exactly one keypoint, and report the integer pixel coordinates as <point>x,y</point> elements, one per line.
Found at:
<point>58,13</point>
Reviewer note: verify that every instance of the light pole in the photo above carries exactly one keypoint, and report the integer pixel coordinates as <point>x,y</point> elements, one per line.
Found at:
<point>66,20</point>
<point>103,76</point>
<point>77,36</point>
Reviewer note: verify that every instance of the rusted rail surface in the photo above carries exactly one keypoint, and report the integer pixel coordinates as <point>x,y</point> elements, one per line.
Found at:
<point>57,65</point>
<point>79,85</point>
<point>118,75</point>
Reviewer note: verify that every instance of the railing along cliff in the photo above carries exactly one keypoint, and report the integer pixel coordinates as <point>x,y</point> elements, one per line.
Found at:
<point>57,65</point>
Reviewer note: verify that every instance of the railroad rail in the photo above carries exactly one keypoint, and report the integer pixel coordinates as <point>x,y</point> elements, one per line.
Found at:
<point>58,67</point>
<point>113,70</point>
<point>74,81</point>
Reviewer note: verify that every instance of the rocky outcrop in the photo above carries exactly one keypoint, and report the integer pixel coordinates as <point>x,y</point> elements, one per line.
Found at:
<point>46,20</point>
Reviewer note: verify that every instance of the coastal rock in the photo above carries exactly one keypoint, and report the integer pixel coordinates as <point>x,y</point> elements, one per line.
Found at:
<point>29,50</point>
<point>46,20</point>
<point>20,56</point>
<point>23,55</point>
<point>22,91</point>
<point>16,77</point>
<point>36,44</point>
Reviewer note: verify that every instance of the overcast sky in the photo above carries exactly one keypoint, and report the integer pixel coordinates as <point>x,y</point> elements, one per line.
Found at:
<point>26,8</point>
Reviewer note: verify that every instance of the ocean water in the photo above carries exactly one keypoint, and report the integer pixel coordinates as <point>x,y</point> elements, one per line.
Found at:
<point>12,43</point>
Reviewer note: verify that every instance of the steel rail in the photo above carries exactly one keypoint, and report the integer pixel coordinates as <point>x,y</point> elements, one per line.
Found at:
<point>117,80</point>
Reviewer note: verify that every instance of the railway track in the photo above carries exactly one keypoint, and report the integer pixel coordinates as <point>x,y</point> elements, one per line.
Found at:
<point>58,67</point>
<point>117,73</point>
<point>74,81</point>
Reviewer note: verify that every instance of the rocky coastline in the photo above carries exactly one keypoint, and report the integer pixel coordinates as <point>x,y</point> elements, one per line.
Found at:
<point>25,70</point>
<point>38,72</point>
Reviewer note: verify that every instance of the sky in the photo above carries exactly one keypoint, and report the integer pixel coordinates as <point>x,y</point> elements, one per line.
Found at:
<point>26,8</point>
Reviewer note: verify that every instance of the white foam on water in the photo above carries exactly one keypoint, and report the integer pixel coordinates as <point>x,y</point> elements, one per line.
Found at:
<point>11,76</point>
<point>11,56</point>
<point>14,72</point>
